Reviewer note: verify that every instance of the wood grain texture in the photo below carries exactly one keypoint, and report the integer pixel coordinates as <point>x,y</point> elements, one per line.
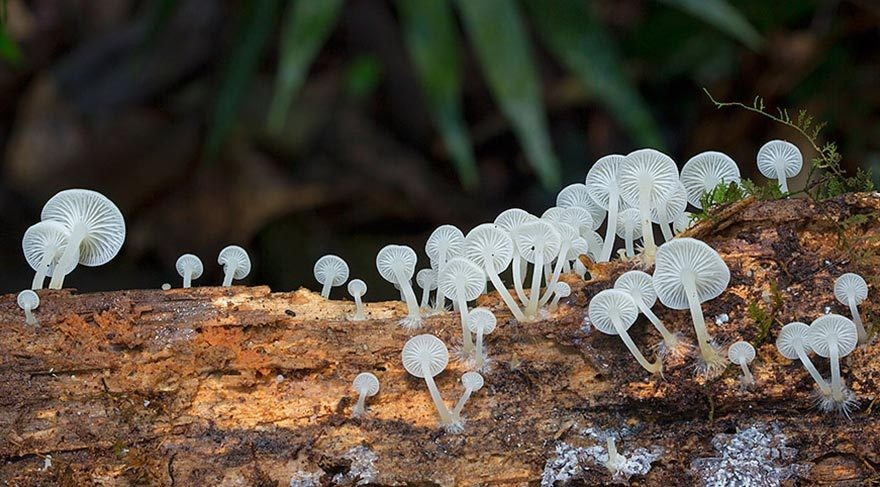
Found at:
<point>243,386</point>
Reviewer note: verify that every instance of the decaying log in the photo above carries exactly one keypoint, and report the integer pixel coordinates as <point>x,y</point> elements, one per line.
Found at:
<point>243,386</point>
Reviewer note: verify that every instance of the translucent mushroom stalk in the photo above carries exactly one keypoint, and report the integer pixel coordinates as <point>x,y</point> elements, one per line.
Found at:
<point>397,264</point>
<point>481,322</point>
<point>366,385</point>
<point>851,289</point>
<point>640,286</point>
<point>357,288</point>
<point>472,382</point>
<point>833,336</point>
<point>792,344</point>
<point>444,243</point>
<point>236,263</point>
<point>616,461</point>
<point>28,301</point>
<point>491,248</point>
<point>562,290</point>
<point>601,184</point>
<point>668,210</point>
<point>462,281</point>
<point>646,178</point>
<point>189,267</point>
<point>425,356</point>
<point>629,229</point>
<point>538,242</point>
<point>427,280</point>
<point>567,234</point>
<point>511,221</point>
<point>613,311</point>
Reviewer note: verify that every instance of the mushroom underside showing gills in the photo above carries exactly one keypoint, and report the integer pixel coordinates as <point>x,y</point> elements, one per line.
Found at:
<point>425,356</point>
<point>330,271</point>
<point>833,336</point>
<point>613,311</point>
<point>462,281</point>
<point>366,385</point>
<point>397,264</point>
<point>851,289</point>
<point>236,263</point>
<point>742,353</point>
<point>189,267</point>
<point>491,248</point>
<point>43,245</point>
<point>646,178</point>
<point>601,182</point>
<point>357,288</point>
<point>444,243</point>
<point>472,381</point>
<point>781,160</point>
<point>28,300</point>
<point>641,288</point>
<point>792,344</point>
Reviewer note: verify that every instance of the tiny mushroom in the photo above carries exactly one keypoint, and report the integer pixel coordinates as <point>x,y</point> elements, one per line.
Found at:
<point>462,281</point>
<point>366,385</point>
<point>682,222</point>
<point>640,286</point>
<point>481,322</point>
<point>780,160</point>
<point>491,249</point>
<point>704,172</point>
<point>688,273</point>
<point>330,271</point>
<point>511,221</point>
<point>397,264</point>
<point>472,382</point>
<point>834,337</point>
<point>189,267</point>
<point>357,288</point>
<point>647,178</point>
<point>427,280</point>
<point>602,186</point>
<point>563,290</point>
<point>616,461</point>
<point>668,210</point>
<point>236,263</point>
<point>425,356</point>
<point>444,243</point>
<point>538,243</point>
<point>629,229</point>
<point>613,311</point>
<point>792,344</point>
<point>742,353</point>
<point>28,301</point>
<point>850,289</point>
<point>43,245</point>
<point>95,227</point>
<point>578,196</point>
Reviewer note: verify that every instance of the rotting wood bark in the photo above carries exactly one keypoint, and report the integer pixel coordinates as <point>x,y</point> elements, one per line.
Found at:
<point>242,386</point>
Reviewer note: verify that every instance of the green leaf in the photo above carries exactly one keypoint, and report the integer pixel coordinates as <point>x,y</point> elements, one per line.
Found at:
<point>573,33</point>
<point>430,36</point>
<point>258,19</point>
<point>9,50</point>
<point>499,39</point>
<point>307,24</point>
<point>724,17</point>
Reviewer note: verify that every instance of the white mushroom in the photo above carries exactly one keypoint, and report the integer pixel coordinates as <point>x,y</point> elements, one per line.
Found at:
<point>641,287</point>
<point>472,381</point>
<point>646,179</point>
<point>742,353</point>
<point>491,249</point>
<point>562,290</point>
<point>357,288</point>
<point>613,311</point>
<point>330,271</point>
<point>629,229</point>
<point>850,289</point>
<point>444,243</point>
<point>427,280</point>
<point>834,337</point>
<point>792,344</point>
<point>688,273</point>
<point>684,221</point>
<point>780,160</point>
<point>702,173</point>
<point>95,227</point>
<point>537,242</point>
<point>578,196</point>
<point>668,210</point>
<point>511,221</point>
<point>43,245</point>
<point>397,264</point>
<point>425,356</point>
<point>28,301</point>
<point>602,186</point>
<point>189,267</point>
<point>366,385</point>
<point>462,281</point>
<point>235,262</point>
<point>481,322</point>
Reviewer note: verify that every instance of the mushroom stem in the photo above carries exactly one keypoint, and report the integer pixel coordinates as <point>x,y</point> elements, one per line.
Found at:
<point>461,402</point>
<point>551,282</point>
<point>654,368</point>
<point>505,295</point>
<point>748,379</point>
<point>518,275</point>
<point>537,274</point>
<point>666,229</point>
<point>580,269</point>
<point>628,243</point>
<point>817,377</point>
<point>467,341</point>
<point>615,460</point>
<point>857,319</point>
<point>69,257</point>
<point>359,407</point>
<point>780,175</point>
<point>426,295</point>
<point>42,270</point>
<point>479,350</point>
<point>228,274</point>
<point>187,276</point>
<point>445,415</point>
<point>610,226</point>
<point>836,385</point>
<point>359,308</point>
<point>647,231</point>
<point>328,284</point>
<point>555,303</point>
<point>29,317</point>
<point>668,337</point>
<point>710,356</point>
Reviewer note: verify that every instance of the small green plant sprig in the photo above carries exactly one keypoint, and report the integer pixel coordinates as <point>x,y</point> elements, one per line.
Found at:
<point>825,177</point>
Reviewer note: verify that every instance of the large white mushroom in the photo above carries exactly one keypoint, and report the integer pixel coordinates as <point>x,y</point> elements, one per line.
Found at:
<point>491,248</point>
<point>780,160</point>
<point>704,172</point>
<point>647,178</point>
<point>444,243</point>
<point>236,263</point>
<point>834,337</point>
<point>537,242</point>
<point>511,221</point>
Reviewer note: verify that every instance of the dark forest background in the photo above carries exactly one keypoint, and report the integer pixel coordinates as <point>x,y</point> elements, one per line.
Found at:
<point>307,127</point>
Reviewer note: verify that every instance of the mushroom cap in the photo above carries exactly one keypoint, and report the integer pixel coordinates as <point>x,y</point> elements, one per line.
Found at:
<point>427,279</point>
<point>193,262</point>
<point>602,178</point>
<point>460,269</point>
<point>472,380</point>
<point>426,349</point>
<point>481,318</point>
<point>489,247</point>
<point>28,299</point>
<point>563,290</point>
<point>594,245</point>
<point>396,260</point>
<point>676,203</point>
<point>711,274</point>
<point>510,220</point>
<point>650,167</point>
<point>536,235</point>
<point>850,286</point>
<point>102,220</point>
<point>43,237</point>
<point>357,287</point>
<point>706,170</point>
<point>579,218</point>
<point>579,247</point>
<point>331,266</point>
<point>604,302</point>
<point>639,285</point>
<point>779,152</point>
<point>832,327</point>
<point>682,222</point>
<point>793,337</point>
<point>553,214</point>
<point>577,195</point>
<point>628,216</point>
<point>445,238</point>
<point>237,256</point>
<point>367,383</point>
<point>741,352</point>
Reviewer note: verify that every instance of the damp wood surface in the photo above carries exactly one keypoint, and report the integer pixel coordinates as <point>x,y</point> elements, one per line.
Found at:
<point>245,386</point>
